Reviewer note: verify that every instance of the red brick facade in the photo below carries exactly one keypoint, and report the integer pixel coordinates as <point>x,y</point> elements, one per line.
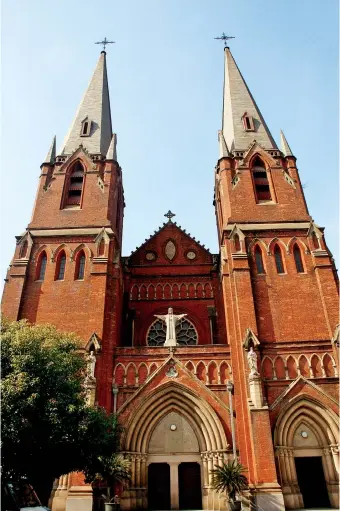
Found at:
<point>288,316</point>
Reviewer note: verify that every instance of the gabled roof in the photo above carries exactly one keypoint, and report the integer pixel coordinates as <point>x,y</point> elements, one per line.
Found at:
<point>161,228</point>
<point>95,108</point>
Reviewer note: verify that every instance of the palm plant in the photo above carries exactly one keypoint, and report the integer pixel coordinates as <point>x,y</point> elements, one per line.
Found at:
<point>113,469</point>
<point>229,479</point>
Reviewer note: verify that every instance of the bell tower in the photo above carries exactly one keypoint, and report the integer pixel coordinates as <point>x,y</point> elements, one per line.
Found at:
<point>277,272</point>
<point>66,266</point>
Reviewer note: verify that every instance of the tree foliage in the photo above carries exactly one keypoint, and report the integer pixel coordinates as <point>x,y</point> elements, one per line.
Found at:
<point>47,428</point>
<point>229,479</point>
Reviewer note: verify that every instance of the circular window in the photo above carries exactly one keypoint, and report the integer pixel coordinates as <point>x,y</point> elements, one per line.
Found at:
<point>185,333</point>
<point>191,255</point>
<point>150,256</point>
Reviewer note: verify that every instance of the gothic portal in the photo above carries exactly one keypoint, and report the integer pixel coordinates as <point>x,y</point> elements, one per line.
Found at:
<point>261,314</point>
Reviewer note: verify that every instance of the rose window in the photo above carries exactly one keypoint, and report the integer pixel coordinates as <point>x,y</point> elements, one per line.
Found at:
<point>185,333</point>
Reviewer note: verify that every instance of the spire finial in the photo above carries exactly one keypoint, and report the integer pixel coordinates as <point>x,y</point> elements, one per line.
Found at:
<point>169,215</point>
<point>104,42</point>
<point>225,39</point>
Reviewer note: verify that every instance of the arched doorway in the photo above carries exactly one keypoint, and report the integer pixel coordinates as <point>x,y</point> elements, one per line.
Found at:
<point>174,426</point>
<point>307,454</point>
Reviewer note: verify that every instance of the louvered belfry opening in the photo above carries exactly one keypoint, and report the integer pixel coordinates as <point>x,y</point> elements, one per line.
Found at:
<point>75,185</point>
<point>261,182</point>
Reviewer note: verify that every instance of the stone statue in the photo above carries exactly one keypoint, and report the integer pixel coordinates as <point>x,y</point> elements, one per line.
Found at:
<point>171,320</point>
<point>91,364</point>
<point>252,362</point>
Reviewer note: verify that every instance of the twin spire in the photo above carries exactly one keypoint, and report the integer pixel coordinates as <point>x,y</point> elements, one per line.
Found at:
<point>92,126</point>
<point>242,121</point>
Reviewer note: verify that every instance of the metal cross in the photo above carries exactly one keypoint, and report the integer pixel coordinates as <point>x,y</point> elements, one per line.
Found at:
<point>104,42</point>
<point>225,38</point>
<point>169,215</point>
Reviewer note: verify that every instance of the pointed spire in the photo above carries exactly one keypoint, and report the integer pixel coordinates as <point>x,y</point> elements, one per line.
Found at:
<point>112,151</point>
<point>238,101</point>
<point>224,151</point>
<point>285,146</point>
<point>92,123</point>
<point>50,157</point>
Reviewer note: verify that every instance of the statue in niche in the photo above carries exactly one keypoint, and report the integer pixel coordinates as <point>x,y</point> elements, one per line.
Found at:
<point>171,321</point>
<point>91,364</point>
<point>252,362</point>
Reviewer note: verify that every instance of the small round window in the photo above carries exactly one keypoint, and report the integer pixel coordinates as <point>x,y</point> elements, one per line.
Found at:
<point>185,333</point>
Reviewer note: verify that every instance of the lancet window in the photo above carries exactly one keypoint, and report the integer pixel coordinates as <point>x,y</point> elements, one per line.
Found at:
<point>278,260</point>
<point>80,266</point>
<point>259,260</point>
<point>75,185</point>
<point>261,183</point>
<point>61,265</point>
<point>298,259</point>
<point>41,268</point>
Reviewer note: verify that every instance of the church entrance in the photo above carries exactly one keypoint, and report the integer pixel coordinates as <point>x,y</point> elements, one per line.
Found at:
<point>189,486</point>
<point>311,480</point>
<point>159,486</point>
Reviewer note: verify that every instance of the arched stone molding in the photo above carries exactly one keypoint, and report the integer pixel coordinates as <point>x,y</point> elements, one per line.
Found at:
<point>314,230</point>
<point>24,247</point>
<point>57,251</point>
<point>80,247</point>
<point>102,238</point>
<point>280,243</point>
<point>299,243</point>
<point>212,441</point>
<point>43,248</point>
<point>93,344</point>
<point>254,242</point>
<point>237,231</point>
<point>323,422</point>
<point>335,369</point>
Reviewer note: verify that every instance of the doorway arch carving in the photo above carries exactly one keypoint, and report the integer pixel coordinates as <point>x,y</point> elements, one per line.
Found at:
<point>321,422</point>
<point>173,397</point>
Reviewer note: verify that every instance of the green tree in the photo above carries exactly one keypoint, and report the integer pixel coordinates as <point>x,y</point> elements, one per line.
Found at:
<point>47,428</point>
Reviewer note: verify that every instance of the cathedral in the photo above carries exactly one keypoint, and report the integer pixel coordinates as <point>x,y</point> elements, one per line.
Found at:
<point>249,368</point>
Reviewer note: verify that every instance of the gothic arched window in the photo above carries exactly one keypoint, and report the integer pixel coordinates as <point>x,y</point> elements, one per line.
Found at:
<point>186,333</point>
<point>261,183</point>
<point>278,259</point>
<point>75,185</point>
<point>298,259</point>
<point>41,267</point>
<point>61,264</point>
<point>259,260</point>
<point>80,266</point>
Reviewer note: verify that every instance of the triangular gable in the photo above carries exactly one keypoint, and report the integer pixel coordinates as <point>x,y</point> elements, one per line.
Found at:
<point>81,151</point>
<point>256,148</point>
<point>290,390</point>
<point>171,361</point>
<point>250,338</point>
<point>171,226</point>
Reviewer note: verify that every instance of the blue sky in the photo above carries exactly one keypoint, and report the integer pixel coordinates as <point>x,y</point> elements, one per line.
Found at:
<point>166,76</point>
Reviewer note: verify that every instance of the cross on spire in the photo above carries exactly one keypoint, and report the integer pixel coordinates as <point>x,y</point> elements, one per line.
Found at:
<point>104,42</point>
<point>169,215</point>
<point>225,39</point>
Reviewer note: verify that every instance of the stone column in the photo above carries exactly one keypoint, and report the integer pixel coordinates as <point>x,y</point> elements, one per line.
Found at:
<point>174,490</point>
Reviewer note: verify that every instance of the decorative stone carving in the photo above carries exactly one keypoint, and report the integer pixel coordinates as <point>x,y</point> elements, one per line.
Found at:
<point>172,371</point>
<point>170,250</point>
